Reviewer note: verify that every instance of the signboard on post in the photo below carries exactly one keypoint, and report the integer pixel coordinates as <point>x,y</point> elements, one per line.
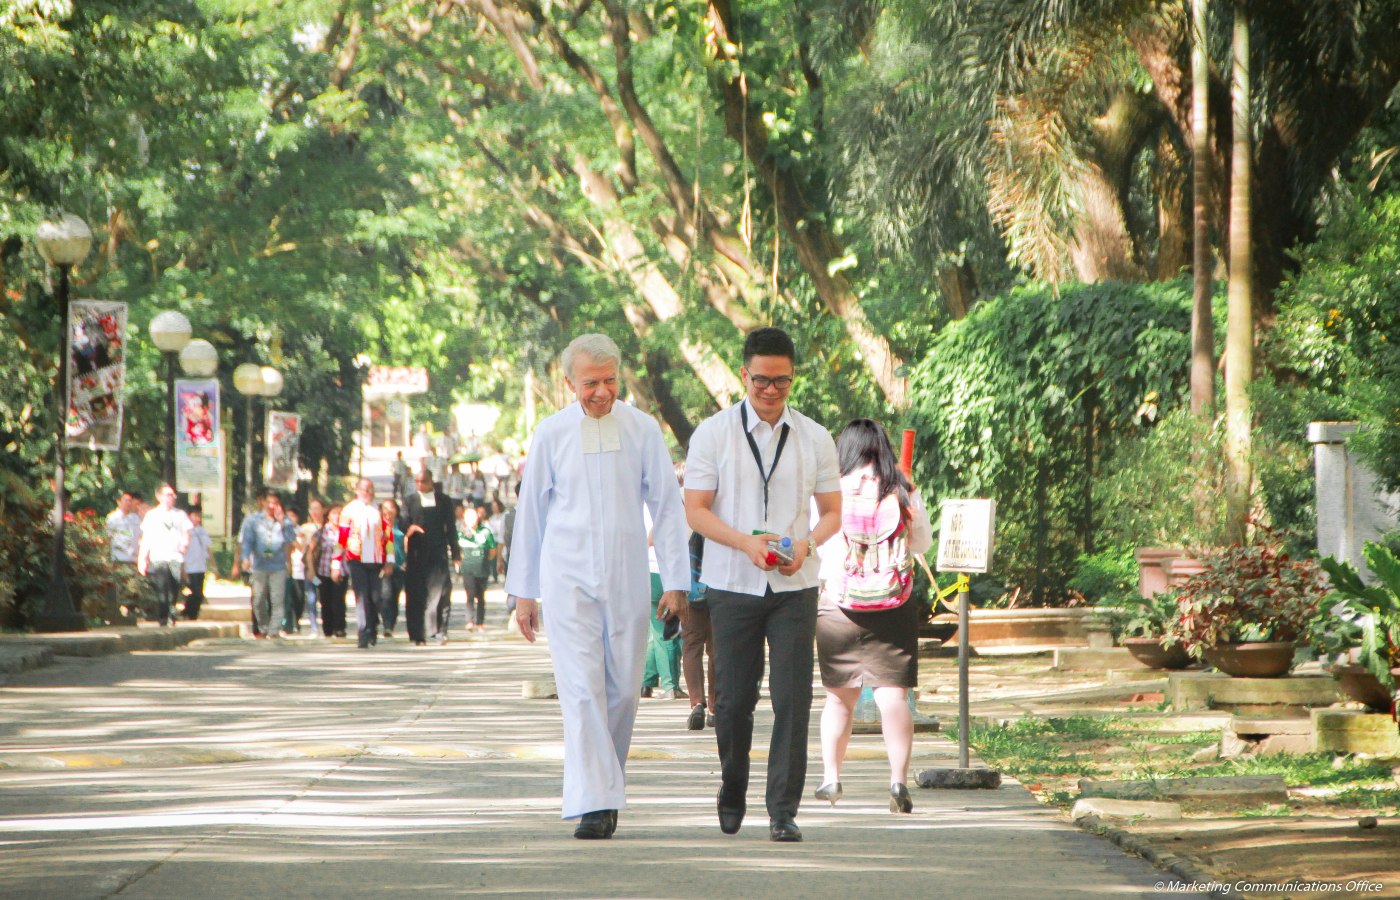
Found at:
<point>96,347</point>
<point>197,434</point>
<point>283,443</point>
<point>965,536</point>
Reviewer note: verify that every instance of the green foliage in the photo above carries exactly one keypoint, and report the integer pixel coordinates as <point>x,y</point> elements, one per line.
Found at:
<point>1132,616</point>
<point>1025,399</point>
<point>1253,593</point>
<point>1107,574</point>
<point>1378,607</point>
<point>1340,325</point>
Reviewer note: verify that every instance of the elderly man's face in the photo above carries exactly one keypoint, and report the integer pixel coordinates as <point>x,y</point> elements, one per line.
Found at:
<point>365,490</point>
<point>424,480</point>
<point>595,385</point>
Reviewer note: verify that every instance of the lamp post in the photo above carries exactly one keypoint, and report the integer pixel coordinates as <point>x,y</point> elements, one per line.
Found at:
<point>63,242</point>
<point>170,332</point>
<point>248,381</point>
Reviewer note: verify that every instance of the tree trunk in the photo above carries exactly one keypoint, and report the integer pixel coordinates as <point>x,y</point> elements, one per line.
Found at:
<point>1202,266</point>
<point>805,227</point>
<point>1239,336</point>
<point>1102,249</point>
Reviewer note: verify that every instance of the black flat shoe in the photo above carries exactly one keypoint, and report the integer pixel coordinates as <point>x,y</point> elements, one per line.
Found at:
<point>899,799</point>
<point>829,792</point>
<point>696,721</point>
<point>593,826</point>
<point>784,831</point>
<point>730,817</point>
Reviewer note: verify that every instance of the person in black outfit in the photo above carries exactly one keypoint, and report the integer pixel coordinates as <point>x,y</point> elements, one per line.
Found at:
<point>430,538</point>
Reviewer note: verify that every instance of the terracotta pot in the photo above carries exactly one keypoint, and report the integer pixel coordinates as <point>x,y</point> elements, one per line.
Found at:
<point>1255,659</point>
<point>1032,626</point>
<point>1360,685</point>
<point>1151,653</point>
<point>1152,576</point>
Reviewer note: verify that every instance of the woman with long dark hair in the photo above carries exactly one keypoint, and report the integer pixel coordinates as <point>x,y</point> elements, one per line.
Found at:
<point>867,631</point>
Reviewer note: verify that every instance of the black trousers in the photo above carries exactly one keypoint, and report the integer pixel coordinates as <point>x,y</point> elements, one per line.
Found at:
<point>475,586</point>
<point>331,595</point>
<point>742,624</point>
<point>365,581</point>
<point>195,582</point>
<point>427,597</point>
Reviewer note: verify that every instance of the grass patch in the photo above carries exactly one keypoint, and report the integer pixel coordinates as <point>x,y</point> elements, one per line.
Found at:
<point>1387,799</point>
<point>1301,769</point>
<point>1039,746</point>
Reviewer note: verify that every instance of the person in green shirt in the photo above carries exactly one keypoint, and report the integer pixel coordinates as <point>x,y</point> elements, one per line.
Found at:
<point>478,547</point>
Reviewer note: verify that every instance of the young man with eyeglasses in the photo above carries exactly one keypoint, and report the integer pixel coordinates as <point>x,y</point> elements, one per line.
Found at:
<point>752,474</point>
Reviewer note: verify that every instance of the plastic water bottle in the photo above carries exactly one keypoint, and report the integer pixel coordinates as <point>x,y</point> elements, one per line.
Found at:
<point>780,551</point>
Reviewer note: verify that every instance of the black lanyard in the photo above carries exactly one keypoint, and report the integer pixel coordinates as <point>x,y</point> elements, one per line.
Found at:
<point>758,457</point>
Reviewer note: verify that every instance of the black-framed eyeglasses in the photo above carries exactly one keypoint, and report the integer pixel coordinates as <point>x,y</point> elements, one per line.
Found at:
<point>763,382</point>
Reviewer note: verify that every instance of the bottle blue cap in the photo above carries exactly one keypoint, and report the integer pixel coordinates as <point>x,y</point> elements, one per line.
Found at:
<point>785,542</point>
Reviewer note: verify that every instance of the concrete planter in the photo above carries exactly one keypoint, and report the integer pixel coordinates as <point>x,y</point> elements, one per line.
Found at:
<point>1255,659</point>
<point>1152,573</point>
<point>1026,627</point>
<point>1181,569</point>
<point>1151,653</point>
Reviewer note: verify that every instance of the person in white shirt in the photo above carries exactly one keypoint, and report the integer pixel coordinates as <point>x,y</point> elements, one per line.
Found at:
<point>751,476</point>
<point>124,529</point>
<point>368,553</point>
<point>580,546</point>
<point>165,534</point>
<point>196,564</point>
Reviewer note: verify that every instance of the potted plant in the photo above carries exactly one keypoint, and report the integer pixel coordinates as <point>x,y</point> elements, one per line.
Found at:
<point>1246,611</point>
<point>1372,678</point>
<point>1140,625</point>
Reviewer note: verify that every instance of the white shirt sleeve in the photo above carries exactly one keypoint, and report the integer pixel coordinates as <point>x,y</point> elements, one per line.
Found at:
<point>920,528</point>
<point>670,536</point>
<point>701,470</point>
<point>828,468</point>
<point>531,511</point>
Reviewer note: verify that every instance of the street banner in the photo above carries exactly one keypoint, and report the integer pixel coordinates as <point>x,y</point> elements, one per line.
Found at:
<point>96,347</point>
<point>283,442</point>
<point>197,436</point>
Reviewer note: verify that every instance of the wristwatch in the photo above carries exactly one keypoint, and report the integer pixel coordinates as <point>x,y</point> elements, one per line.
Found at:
<point>811,546</point>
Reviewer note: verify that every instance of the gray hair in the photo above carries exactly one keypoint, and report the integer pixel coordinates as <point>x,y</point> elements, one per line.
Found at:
<point>598,347</point>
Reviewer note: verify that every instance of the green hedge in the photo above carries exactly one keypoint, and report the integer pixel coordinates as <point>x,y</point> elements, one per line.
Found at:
<point>1024,400</point>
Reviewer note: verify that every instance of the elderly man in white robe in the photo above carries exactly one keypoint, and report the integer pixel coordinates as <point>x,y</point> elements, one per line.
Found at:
<point>580,547</point>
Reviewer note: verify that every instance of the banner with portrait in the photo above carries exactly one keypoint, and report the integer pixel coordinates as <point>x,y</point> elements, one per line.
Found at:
<point>96,347</point>
<point>280,468</point>
<point>197,436</point>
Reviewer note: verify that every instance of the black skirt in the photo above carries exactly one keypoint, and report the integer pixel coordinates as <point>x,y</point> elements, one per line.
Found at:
<point>868,649</point>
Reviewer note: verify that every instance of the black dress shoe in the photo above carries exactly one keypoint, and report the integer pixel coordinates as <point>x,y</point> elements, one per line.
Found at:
<point>900,801</point>
<point>710,719</point>
<point>612,820</point>
<point>784,831</point>
<point>593,826</point>
<point>730,817</point>
<point>696,722</point>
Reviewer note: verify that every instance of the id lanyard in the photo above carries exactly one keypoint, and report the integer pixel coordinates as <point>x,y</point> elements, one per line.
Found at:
<point>758,457</point>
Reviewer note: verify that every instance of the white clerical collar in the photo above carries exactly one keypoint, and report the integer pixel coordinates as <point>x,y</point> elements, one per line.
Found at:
<point>428,499</point>
<point>599,435</point>
<point>755,421</point>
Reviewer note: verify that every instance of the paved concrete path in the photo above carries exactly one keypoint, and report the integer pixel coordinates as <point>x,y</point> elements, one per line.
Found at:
<point>236,768</point>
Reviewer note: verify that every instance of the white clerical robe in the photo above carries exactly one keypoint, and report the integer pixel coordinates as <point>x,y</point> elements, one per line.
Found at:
<point>580,546</point>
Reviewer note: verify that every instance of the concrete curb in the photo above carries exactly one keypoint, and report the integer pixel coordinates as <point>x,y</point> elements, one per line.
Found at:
<point>1185,869</point>
<point>31,651</point>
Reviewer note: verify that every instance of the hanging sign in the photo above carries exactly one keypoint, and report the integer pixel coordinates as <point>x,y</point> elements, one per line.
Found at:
<point>96,347</point>
<point>965,535</point>
<point>283,443</point>
<point>197,436</point>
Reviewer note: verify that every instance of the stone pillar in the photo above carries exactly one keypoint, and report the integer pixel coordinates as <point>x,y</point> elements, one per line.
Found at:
<point>1351,507</point>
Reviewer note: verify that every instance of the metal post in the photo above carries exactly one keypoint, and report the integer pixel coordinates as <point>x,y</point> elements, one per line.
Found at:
<point>170,419</point>
<point>57,613</point>
<point>963,651</point>
<point>248,457</point>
